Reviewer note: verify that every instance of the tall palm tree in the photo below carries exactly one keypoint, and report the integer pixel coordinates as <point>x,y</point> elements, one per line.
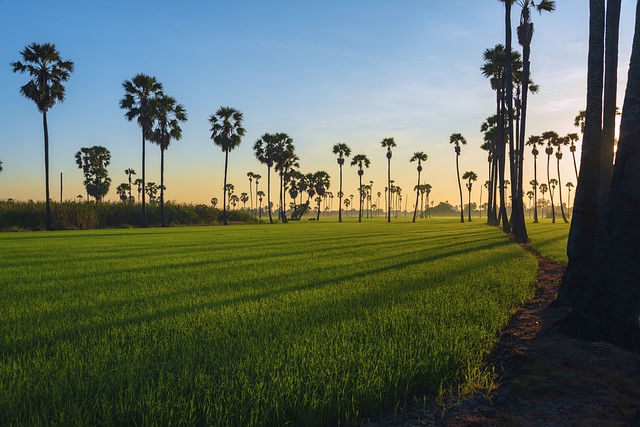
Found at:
<point>342,150</point>
<point>559,142</point>
<point>553,183</point>
<point>259,196</point>
<point>420,157</point>
<point>47,71</point>
<point>569,186</point>
<point>550,137</point>
<point>264,149</point>
<point>250,175</point>
<point>525,34</point>
<point>138,184</point>
<point>457,139</point>
<point>285,159</point>
<point>137,100</point>
<point>573,138</point>
<point>320,182</point>
<point>257,177</point>
<point>471,177</point>
<point>226,133</point>
<point>361,161</point>
<point>129,173</point>
<point>167,115</point>
<point>388,143</point>
<point>543,189</point>
<point>534,141</point>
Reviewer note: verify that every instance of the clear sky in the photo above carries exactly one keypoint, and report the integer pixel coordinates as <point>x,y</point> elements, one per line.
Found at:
<point>324,72</point>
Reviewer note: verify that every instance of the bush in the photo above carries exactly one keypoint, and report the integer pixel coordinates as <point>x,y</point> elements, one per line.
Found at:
<point>89,215</point>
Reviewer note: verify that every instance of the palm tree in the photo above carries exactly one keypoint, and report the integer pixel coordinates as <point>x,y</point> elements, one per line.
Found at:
<point>122,190</point>
<point>47,72</point>
<point>226,133</point>
<point>139,187</point>
<point>420,157</point>
<point>559,142</point>
<point>137,100</point>
<point>342,150</point>
<point>285,159</point>
<point>264,149</point>
<point>167,115</point>
<point>543,189</point>
<point>525,34</point>
<point>361,161</point>
<point>579,120</point>
<point>257,177</point>
<point>214,201</point>
<point>550,137</point>
<point>94,161</point>
<point>471,177</point>
<point>320,183</point>
<point>573,138</point>
<point>250,175</point>
<point>534,141</point>
<point>228,190</point>
<point>259,195</point>
<point>388,143</point>
<point>569,186</point>
<point>530,195</point>
<point>553,183</point>
<point>457,139</point>
<point>129,173</point>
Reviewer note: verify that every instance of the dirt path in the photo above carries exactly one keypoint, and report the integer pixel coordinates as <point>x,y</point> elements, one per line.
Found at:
<point>545,378</point>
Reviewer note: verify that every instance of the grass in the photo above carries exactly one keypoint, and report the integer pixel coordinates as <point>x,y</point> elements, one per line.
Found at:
<point>550,240</point>
<point>310,323</point>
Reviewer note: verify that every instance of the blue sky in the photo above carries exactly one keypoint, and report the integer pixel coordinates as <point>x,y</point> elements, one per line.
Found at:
<point>324,72</point>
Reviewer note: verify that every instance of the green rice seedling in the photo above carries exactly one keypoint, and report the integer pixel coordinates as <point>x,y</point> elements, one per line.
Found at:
<point>310,323</point>
<point>550,240</point>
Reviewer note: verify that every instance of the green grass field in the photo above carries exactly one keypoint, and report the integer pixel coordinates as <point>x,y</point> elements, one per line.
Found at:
<point>550,240</point>
<point>309,323</point>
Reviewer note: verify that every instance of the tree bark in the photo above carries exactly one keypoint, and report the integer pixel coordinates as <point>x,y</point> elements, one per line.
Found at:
<point>612,30</point>
<point>143,220</point>
<point>584,224</point>
<point>612,294</point>
<point>45,128</point>
<point>162,223</point>
<point>459,186</point>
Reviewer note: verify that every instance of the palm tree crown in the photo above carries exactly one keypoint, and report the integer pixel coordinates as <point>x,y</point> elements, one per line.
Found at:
<point>47,70</point>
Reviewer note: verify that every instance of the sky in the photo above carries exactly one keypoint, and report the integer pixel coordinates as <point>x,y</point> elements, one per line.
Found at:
<point>323,72</point>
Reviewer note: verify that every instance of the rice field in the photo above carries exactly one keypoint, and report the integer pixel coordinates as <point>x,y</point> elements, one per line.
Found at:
<point>550,240</point>
<point>312,323</point>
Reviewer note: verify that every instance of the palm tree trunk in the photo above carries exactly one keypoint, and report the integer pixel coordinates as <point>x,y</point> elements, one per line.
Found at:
<point>45,127</point>
<point>251,195</point>
<point>612,29</point>
<point>535,190</point>
<point>360,197</point>
<point>340,197</point>
<point>269,194</point>
<point>389,181</point>
<point>415,211</point>
<point>143,222</point>
<point>516,225</point>
<point>611,296</point>
<point>469,204</point>
<point>585,205</point>
<point>460,188</point>
<point>564,217</point>
<point>224,191</point>
<point>553,210</point>
<point>162,223</point>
